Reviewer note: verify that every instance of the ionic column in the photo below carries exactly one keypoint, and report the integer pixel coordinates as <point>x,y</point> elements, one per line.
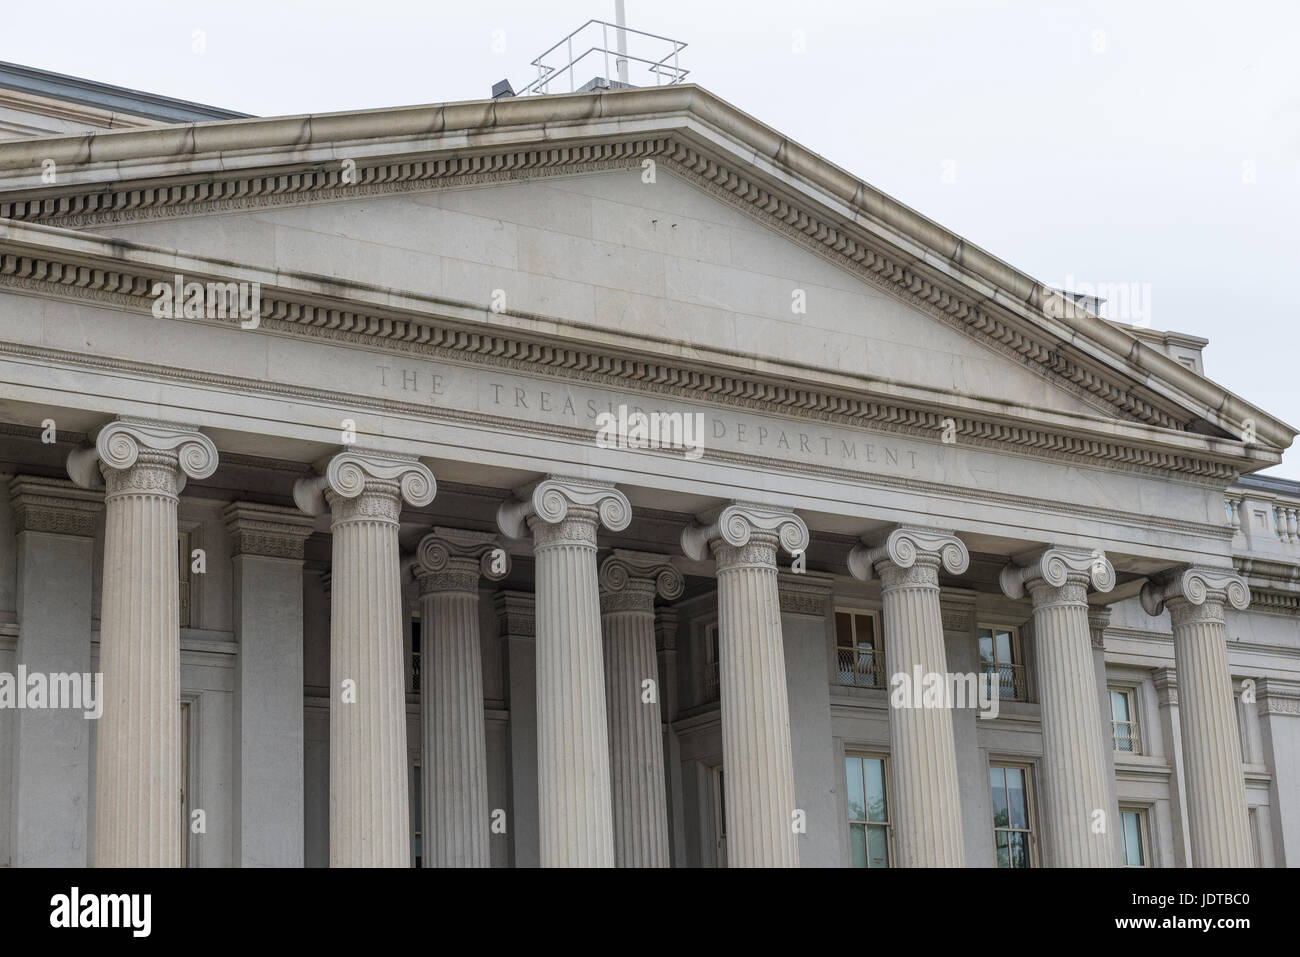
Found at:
<point>369,801</point>
<point>927,832</point>
<point>138,749</point>
<point>449,563</point>
<point>572,730</point>
<point>1216,791</point>
<point>756,750</point>
<point>628,583</point>
<point>1078,824</point>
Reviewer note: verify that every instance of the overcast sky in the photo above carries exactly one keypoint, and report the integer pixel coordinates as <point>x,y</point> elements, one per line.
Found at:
<point>1152,147</point>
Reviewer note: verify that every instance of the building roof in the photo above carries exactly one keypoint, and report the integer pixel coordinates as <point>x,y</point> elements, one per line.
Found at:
<point>114,99</point>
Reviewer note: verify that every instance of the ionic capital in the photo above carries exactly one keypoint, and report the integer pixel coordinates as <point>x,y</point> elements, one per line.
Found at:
<point>629,581</point>
<point>1058,567</point>
<point>907,545</point>
<point>348,474</point>
<point>572,507</point>
<point>741,523</point>
<point>453,559</point>
<point>176,449</point>
<point>1196,586</point>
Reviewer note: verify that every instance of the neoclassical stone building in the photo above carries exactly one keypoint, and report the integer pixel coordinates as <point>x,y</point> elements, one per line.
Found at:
<point>369,580</point>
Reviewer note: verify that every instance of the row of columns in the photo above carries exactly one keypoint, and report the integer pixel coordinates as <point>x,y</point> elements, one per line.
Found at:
<point>600,759</point>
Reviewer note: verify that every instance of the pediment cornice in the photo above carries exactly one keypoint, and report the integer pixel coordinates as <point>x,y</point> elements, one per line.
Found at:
<point>193,169</point>
<point>94,269</point>
<point>968,311</point>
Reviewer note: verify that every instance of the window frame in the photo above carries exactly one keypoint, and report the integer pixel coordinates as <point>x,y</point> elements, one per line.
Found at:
<point>888,823</point>
<point>1143,813</point>
<point>1017,658</point>
<point>718,780</point>
<point>877,648</point>
<point>1134,721</point>
<point>711,646</point>
<point>1031,817</point>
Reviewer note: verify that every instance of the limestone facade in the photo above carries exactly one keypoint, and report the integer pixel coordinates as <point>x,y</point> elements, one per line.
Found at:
<point>367,584</point>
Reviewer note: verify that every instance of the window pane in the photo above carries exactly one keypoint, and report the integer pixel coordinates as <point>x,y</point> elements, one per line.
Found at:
<point>1016,797</point>
<point>986,645</point>
<point>1004,647</point>
<point>865,628</point>
<point>1004,857</point>
<point>1119,706</point>
<point>857,800</point>
<point>998,781</point>
<point>843,629</point>
<point>858,841</point>
<point>878,846</point>
<point>875,772</point>
<point>1133,838</point>
<point>1019,846</point>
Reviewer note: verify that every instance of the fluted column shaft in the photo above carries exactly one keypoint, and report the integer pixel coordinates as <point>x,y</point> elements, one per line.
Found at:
<point>456,814</point>
<point>639,794</point>
<point>1217,818</point>
<point>138,747</point>
<point>1077,826</point>
<point>138,753</point>
<point>927,832</point>
<point>756,749</point>
<point>369,809</point>
<point>1074,774</point>
<point>572,728</point>
<point>455,767</point>
<point>576,813</point>
<point>923,755</point>
<point>369,800</point>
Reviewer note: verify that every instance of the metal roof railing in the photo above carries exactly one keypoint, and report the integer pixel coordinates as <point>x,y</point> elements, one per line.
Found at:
<point>665,68</point>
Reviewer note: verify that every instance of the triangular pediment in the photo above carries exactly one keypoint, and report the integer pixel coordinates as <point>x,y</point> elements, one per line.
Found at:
<point>665,262</point>
<point>660,223</point>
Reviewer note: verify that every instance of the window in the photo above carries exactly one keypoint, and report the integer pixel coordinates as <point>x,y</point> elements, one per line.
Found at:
<point>1012,822</point>
<point>860,656</point>
<point>869,831</point>
<point>711,659</point>
<point>415,655</point>
<point>1133,836</point>
<point>1123,721</point>
<point>417,817</point>
<point>999,655</point>
<point>185,780</point>
<point>719,818</point>
<point>1243,734</point>
<point>183,553</point>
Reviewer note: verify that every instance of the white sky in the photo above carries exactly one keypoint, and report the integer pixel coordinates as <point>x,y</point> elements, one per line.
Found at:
<point>1153,143</point>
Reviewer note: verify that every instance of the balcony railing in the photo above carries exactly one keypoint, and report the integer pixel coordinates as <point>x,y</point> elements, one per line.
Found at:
<point>1012,685</point>
<point>1125,734</point>
<point>861,667</point>
<point>711,681</point>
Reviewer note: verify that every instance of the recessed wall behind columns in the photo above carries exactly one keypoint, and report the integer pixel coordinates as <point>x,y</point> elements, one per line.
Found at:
<point>960,656</point>
<point>805,613</point>
<point>8,643</point>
